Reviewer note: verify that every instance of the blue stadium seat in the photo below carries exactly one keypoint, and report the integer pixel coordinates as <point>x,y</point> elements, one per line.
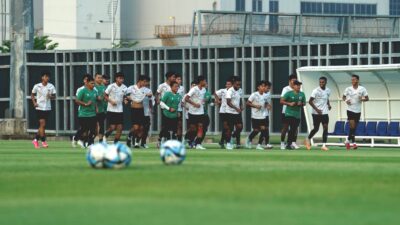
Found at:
<point>339,128</point>
<point>371,128</point>
<point>347,128</point>
<point>360,130</point>
<point>393,129</point>
<point>382,128</point>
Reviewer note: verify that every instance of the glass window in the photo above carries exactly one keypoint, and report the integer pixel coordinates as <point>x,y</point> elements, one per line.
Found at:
<point>257,5</point>
<point>273,6</point>
<point>240,5</point>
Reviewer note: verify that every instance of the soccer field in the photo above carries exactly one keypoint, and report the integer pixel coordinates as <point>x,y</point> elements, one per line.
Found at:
<point>57,186</point>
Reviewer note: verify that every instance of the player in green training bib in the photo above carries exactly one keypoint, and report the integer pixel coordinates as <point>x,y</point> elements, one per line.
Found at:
<point>101,105</point>
<point>169,105</point>
<point>86,100</point>
<point>294,100</point>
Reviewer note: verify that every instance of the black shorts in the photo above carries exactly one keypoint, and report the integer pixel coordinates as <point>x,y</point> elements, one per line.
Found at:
<point>353,116</point>
<point>147,121</point>
<point>115,118</point>
<point>137,116</point>
<point>283,118</point>
<point>234,118</point>
<point>267,121</point>
<point>100,117</point>
<point>206,121</point>
<point>257,123</point>
<point>196,119</point>
<point>222,117</point>
<point>87,123</point>
<point>42,114</point>
<point>170,124</point>
<point>317,119</point>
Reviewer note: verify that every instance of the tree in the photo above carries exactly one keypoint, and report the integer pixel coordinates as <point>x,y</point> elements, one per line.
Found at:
<point>43,43</point>
<point>39,43</point>
<point>5,47</point>
<point>125,44</point>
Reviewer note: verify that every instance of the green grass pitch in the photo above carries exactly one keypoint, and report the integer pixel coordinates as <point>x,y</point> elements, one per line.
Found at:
<point>243,187</point>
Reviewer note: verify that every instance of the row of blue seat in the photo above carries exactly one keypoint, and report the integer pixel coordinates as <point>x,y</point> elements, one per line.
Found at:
<point>372,128</point>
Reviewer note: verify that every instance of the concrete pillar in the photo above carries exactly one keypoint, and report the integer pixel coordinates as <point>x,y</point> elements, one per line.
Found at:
<point>21,39</point>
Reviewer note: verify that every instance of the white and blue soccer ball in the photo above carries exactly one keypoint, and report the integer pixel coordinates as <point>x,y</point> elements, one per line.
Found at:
<point>172,152</point>
<point>95,155</point>
<point>109,156</point>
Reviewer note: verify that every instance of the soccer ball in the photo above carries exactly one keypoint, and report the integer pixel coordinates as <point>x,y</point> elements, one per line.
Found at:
<point>172,152</point>
<point>95,155</point>
<point>117,156</point>
<point>109,156</point>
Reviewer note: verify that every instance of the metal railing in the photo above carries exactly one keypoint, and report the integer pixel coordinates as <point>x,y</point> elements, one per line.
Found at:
<point>298,27</point>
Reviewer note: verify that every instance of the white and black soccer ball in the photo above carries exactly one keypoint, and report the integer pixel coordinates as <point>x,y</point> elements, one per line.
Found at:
<point>172,152</point>
<point>109,156</point>
<point>95,155</point>
<point>117,156</point>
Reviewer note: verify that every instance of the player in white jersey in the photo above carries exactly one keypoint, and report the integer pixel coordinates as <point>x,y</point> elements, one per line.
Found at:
<point>257,103</point>
<point>161,90</point>
<point>136,96</point>
<point>114,94</point>
<point>285,124</point>
<point>185,106</point>
<point>319,101</point>
<point>181,92</point>
<point>166,86</point>
<point>354,96</point>
<point>267,98</point>
<point>234,110</point>
<point>195,99</point>
<point>220,99</point>
<point>148,104</point>
<point>41,95</point>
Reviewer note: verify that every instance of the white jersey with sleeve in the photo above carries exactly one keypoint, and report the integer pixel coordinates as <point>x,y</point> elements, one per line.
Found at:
<point>42,91</point>
<point>268,100</point>
<point>116,93</point>
<point>221,93</point>
<point>163,88</point>
<point>135,93</point>
<point>197,96</point>
<point>354,95</point>
<point>147,101</point>
<point>257,99</point>
<point>181,92</point>
<point>284,91</point>
<point>235,96</point>
<point>321,99</point>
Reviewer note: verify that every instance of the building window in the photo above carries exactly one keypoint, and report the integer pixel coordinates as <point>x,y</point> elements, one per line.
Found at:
<point>273,6</point>
<point>337,8</point>
<point>257,5</point>
<point>98,35</point>
<point>240,5</point>
<point>394,7</point>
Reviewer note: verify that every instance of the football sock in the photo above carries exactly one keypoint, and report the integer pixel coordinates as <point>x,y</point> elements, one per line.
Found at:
<point>237,135</point>
<point>262,136</point>
<point>252,135</point>
<point>108,133</point>
<point>266,136</point>
<point>325,136</point>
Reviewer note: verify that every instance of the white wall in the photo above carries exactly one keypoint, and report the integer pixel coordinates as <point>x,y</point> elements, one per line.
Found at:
<point>60,22</point>
<point>89,13</point>
<point>140,17</point>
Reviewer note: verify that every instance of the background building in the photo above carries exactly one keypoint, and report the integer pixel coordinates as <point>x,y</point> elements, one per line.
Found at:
<point>86,24</point>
